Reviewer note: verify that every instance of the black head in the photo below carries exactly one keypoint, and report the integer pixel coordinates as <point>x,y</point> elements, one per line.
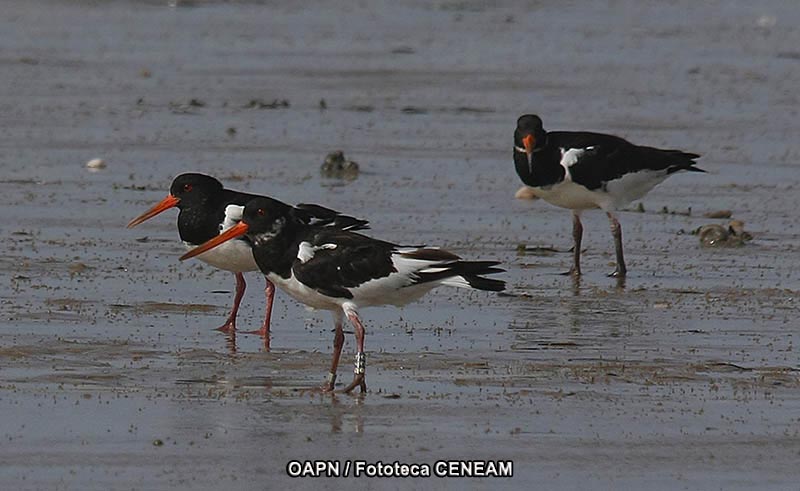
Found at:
<point>186,191</point>
<point>530,125</point>
<point>266,215</point>
<point>263,219</point>
<point>192,189</point>
<point>529,136</point>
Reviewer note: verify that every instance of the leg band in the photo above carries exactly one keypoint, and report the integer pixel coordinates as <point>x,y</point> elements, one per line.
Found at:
<point>361,363</point>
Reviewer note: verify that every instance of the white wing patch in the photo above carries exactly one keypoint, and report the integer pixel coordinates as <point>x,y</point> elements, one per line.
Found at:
<point>233,215</point>
<point>306,251</point>
<point>570,157</point>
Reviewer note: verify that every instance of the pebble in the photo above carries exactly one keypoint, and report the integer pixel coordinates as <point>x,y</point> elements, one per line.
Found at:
<point>338,166</point>
<point>715,235</point>
<point>718,214</point>
<point>96,164</point>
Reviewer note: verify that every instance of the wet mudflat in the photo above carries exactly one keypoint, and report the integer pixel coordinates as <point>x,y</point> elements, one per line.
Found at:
<point>111,376</point>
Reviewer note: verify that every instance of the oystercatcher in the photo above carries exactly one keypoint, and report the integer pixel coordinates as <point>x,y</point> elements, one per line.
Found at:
<point>204,212</point>
<point>581,170</point>
<point>342,271</point>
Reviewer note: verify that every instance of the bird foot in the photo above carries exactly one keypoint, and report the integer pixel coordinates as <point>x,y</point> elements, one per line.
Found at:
<point>263,332</point>
<point>573,271</point>
<point>359,374</point>
<point>329,384</point>
<point>358,381</point>
<point>228,328</point>
<point>618,273</point>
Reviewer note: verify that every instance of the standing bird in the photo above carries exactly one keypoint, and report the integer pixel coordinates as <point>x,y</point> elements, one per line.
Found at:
<point>341,271</point>
<point>581,170</point>
<point>204,213</point>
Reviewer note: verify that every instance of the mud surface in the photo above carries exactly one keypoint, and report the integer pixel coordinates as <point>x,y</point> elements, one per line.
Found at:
<point>111,376</point>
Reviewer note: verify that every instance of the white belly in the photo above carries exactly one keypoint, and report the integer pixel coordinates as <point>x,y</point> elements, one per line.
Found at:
<point>567,194</point>
<point>614,195</point>
<point>382,291</point>
<point>633,186</point>
<point>234,255</point>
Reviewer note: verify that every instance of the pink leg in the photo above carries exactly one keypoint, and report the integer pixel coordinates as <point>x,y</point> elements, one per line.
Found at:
<point>230,324</point>
<point>359,374</point>
<point>577,235</point>
<point>269,292</point>
<point>338,343</point>
<point>616,231</point>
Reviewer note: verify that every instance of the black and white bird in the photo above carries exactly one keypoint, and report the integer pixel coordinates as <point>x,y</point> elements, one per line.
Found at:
<point>206,209</point>
<point>343,271</point>
<point>581,170</point>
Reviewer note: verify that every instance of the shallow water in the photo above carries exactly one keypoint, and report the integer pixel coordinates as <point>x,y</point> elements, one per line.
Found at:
<point>686,376</point>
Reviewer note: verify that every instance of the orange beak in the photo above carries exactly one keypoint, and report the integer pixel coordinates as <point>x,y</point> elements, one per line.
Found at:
<point>529,142</point>
<point>164,204</point>
<point>236,231</point>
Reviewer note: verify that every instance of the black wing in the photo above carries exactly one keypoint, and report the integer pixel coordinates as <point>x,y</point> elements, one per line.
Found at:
<point>317,215</point>
<point>355,260</point>
<point>607,157</point>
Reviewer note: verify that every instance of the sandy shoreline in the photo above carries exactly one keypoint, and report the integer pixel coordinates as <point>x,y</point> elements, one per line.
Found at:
<point>111,377</point>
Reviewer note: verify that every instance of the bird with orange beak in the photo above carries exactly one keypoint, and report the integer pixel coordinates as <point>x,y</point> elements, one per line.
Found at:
<point>206,208</point>
<point>580,170</point>
<point>343,271</point>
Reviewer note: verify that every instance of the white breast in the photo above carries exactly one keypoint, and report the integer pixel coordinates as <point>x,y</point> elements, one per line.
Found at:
<point>234,255</point>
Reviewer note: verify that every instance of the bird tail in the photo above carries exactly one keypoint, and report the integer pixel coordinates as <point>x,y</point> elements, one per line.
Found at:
<point>465,274</point>
<point>678,160</point>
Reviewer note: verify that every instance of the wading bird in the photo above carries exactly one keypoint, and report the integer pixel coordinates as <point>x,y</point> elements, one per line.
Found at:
<point>581,170</point>
<point>203,203</point>
<point>342,271</point>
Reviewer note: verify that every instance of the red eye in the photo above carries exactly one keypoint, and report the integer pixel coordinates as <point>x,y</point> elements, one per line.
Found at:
<point>260,211</point>
<point>187,187</point>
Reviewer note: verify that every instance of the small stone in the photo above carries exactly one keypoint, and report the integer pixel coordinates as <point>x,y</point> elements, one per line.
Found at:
<point>526,192</point>
<point>713,235</point>
<point>766,21</point>
<point>262,104</point>
<point>77,268</point>
<point>719,214</point>
<point>158,442</point>
<point>336,165</point>
<point>96,164</point>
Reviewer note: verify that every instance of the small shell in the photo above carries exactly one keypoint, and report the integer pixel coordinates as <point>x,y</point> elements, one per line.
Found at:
<point>96,164</point>
<point>713,235</point>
